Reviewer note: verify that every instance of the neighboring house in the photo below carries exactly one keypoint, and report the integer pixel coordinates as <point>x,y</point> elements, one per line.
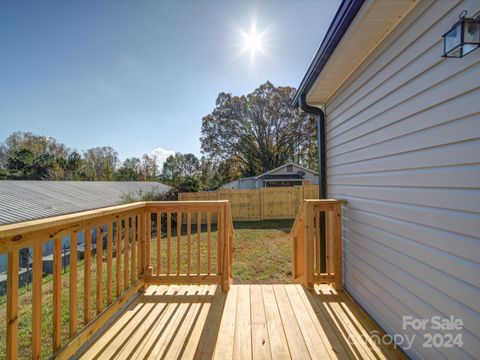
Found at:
<point>290,174</point>
<point>23,200</point>
<point>402,130</point>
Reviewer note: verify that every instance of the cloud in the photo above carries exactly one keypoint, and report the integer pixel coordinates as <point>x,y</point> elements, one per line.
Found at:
<point>162,155</point>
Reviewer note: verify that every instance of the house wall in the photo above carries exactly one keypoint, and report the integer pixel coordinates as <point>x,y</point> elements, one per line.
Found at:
<point>403,148</point>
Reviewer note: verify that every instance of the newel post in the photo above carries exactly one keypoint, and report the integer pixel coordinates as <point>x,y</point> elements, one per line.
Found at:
<point>225,231</point>
<point>146,243</point>
<point>337,243</point>
<point>308,234</point>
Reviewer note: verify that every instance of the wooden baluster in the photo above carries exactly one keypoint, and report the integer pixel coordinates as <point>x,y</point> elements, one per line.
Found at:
<point>37,301</point>
<point>57,293</point>
<point>73,284</point>
<point>317,242</point>
<point>220,230</point>
<point>118,258</point>
<point>337,243</point>
<point>179,239</point>
<point>109,262</point>
<point>219,245</point>
<point>99,250</point>
<point>209,231</point>
<point>140,244</point>
<point>148,240</point>
<point>189,240</point>
<point>199,248</point>
<point>87,274</point>
<point>159,243</point>
<point>12,305</point>
<point>169,240</point>
<point>133,274</point>
<point>126,251</point>
<point>328,242</point>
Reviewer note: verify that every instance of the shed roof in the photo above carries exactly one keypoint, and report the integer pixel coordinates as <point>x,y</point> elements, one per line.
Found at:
<point>283,166</point>
<point>23,200</point>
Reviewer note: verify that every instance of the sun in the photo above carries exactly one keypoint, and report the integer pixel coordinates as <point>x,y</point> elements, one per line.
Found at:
<point>252,41</point>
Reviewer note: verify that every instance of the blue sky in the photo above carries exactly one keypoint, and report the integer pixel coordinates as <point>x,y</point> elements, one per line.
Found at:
<point>140,75</point>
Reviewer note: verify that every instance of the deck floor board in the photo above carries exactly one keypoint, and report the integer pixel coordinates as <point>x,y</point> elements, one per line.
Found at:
<point>282,321</point>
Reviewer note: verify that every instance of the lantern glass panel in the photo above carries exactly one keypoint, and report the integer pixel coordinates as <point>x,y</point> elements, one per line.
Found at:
<point>453,39</point>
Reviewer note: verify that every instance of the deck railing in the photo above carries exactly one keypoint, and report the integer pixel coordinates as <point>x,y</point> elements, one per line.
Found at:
<point>116,256</point>
<point>317,243</point>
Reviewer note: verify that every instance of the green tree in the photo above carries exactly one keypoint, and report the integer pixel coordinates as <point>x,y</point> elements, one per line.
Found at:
<point>21,165</point>
<point>74,166</point>
<point>178,167</point>
<point>189,184</point>
<point>257,132</point>
<point>130,170</point>
<point>100,163</point>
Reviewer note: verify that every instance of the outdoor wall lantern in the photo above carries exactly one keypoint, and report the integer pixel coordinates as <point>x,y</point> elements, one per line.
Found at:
<point>463,37</point>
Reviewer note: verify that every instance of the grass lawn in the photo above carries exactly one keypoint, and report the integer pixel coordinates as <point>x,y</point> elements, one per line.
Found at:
<point>263,254</point>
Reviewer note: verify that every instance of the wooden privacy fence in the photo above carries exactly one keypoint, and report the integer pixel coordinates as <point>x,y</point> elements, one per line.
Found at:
<point>260,204</point>
<point>317,243</point>
<point>125,248</point>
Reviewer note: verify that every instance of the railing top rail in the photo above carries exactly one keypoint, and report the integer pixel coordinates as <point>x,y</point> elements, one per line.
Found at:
<point>189,203</point>
<point>42,224</point>
<point>297,221</point>
<point>10,230</point>
<point>325,201</point>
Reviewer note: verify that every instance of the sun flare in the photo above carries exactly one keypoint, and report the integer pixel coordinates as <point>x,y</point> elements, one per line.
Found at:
<point>252,41</point>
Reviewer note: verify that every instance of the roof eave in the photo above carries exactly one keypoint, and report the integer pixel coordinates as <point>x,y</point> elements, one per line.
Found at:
<point>343,18</point>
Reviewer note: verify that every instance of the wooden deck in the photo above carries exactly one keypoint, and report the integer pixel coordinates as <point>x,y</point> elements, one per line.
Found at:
<point>250,321</point>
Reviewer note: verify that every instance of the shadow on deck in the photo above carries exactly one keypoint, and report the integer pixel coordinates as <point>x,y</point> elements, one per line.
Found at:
<point>270,321</point>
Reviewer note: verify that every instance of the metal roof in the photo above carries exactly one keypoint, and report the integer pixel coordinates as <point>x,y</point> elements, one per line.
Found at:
<point>23,200</point>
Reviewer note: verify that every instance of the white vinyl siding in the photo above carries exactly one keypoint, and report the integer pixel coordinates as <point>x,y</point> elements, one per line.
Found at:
<point>403,148</point>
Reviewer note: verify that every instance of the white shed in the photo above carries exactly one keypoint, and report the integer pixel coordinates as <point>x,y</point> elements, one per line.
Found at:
<point>289,174</point>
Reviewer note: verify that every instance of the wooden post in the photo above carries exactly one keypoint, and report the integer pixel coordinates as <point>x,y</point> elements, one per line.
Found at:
<point>57,293</point>
<point>37,301</point>
<point>309,248</point>
<point>12,305</point>
<point>73,284</point>
<point>337,243</point>
<point>225,246</point>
